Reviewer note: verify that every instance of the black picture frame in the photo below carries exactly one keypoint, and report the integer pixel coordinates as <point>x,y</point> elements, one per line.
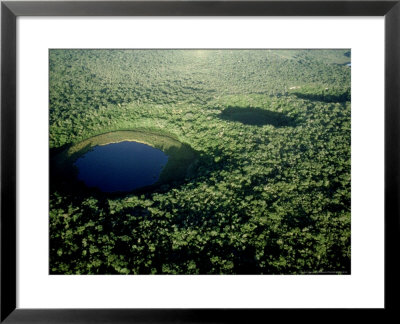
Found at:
<point>10,10</point>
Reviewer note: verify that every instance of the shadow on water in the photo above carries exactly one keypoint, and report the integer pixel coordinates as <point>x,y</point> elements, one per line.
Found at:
<point>257,117</point>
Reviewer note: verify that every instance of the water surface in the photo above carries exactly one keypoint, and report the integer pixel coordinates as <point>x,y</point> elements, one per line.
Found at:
<point>122,166</point>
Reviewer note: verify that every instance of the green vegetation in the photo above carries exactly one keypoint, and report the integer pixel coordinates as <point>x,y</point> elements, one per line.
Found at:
<point>266,134</point>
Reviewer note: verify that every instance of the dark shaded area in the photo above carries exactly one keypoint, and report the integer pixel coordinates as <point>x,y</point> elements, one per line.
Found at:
<point>325,97</point>
<point>257,117</point>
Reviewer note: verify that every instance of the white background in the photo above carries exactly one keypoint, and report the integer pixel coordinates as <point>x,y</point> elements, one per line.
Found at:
<point>363,288</point>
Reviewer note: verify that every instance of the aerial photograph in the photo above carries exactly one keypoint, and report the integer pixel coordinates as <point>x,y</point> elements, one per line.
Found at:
<point>200,161</point>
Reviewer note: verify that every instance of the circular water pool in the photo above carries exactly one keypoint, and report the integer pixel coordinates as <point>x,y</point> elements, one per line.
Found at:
<point>121,167</point>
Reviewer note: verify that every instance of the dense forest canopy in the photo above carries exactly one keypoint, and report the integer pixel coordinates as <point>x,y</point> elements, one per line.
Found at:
<point>268,191</point>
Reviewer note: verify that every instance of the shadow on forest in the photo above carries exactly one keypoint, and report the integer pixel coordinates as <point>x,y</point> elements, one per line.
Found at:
<point>325,97</point>
<point>257,117</point>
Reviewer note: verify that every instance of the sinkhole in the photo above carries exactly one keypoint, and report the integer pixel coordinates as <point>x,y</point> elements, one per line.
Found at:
<point>125,161</point>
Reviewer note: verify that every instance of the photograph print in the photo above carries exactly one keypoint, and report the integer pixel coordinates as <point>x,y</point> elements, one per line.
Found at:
<point>200,161</point>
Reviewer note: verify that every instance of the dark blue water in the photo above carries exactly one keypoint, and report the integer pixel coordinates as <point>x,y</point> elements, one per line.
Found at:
<point>123,166</point>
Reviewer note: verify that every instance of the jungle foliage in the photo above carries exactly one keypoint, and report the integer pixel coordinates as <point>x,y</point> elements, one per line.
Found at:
<point>269,191</point>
